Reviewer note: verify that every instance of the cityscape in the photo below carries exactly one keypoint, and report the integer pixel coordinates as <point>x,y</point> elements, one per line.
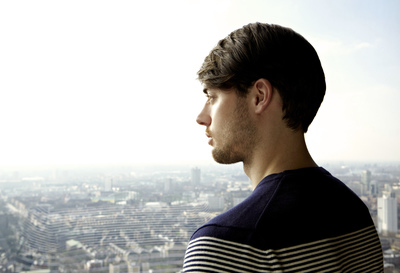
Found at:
<point>139,218</point>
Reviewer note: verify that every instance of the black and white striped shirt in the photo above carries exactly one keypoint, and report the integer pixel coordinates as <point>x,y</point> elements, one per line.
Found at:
<point>296,221</point>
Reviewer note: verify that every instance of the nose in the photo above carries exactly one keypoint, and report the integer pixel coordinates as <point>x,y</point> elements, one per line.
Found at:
<point>204,117</point>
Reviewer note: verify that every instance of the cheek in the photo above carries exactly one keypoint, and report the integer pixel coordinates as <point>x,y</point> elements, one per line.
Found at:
<point>217,121</point>
<point>220,115</point>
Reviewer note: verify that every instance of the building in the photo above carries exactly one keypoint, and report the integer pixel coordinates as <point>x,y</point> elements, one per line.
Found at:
<point>387,212</point>
<point>196,176</point>
<point>366,181</point>
<point>168,185</point>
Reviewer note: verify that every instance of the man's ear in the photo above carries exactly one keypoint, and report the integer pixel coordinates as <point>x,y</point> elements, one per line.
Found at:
<point>262,95</point>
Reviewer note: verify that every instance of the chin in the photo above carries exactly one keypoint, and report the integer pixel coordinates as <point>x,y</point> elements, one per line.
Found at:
<point>225,156</point>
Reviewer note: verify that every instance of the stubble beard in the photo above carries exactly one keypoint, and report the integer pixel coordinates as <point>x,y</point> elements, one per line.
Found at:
<point>237,138</point>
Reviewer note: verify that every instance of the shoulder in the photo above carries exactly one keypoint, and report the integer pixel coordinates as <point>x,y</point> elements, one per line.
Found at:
<point>239,222</point>
<point>317,204</point>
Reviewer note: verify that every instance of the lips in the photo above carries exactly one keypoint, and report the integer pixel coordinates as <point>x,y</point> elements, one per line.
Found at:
<point>209,138</point>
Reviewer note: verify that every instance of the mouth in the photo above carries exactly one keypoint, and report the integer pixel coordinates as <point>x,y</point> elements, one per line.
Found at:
<point>209,138</point>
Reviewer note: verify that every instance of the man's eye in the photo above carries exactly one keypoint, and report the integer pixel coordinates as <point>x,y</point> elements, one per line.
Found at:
<point>209,97</point>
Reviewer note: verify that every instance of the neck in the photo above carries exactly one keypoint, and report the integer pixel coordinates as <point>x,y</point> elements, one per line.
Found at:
<point>287,152</point>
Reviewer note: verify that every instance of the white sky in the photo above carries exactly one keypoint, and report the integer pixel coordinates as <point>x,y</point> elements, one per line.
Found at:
<point>115,81</point>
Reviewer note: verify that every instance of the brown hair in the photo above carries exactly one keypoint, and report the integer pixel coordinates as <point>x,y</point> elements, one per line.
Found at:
<point>277,54</point>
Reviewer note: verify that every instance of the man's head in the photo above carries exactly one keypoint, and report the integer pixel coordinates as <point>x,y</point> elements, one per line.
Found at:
<point>278,54</point>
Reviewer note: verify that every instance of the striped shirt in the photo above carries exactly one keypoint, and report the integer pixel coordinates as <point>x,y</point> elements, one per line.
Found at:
<point>296,221</point>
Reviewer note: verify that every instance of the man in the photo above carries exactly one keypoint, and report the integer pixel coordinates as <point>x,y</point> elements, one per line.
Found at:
<point>264,85</point>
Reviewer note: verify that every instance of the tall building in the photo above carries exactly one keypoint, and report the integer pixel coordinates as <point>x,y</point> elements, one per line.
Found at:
<point>196,176</point>
<point>387,212</point>
<point>167,185</point>
<point>366,181</point>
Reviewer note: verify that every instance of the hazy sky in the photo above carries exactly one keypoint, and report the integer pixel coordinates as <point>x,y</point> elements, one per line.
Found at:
<point>115,81</point>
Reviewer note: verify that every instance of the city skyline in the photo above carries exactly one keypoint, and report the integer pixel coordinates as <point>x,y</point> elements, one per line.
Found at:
<point>72,220</point>
<point>104,82</point>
